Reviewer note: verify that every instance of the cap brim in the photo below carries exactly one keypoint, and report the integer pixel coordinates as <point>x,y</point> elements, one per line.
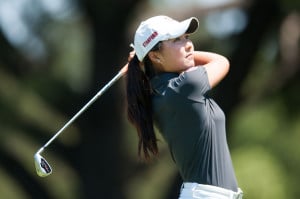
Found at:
<point>187,26</point>
<point>193,25</point>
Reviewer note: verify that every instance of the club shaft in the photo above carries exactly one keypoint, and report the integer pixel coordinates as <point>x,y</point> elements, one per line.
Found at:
<point>107,86</point>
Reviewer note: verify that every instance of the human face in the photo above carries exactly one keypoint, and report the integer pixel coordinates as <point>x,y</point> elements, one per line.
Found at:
<point>176,55</point>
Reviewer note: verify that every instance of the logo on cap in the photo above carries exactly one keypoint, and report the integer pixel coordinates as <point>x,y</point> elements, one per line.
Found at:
<point>150,38</point>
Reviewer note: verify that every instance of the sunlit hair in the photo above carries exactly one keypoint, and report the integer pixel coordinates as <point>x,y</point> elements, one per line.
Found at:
<point>139,104</point>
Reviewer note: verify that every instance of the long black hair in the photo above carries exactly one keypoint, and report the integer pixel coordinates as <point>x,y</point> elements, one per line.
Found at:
<point>139,104</point>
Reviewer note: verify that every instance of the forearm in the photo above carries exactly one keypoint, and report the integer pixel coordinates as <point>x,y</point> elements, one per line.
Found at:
<point>203,58</point>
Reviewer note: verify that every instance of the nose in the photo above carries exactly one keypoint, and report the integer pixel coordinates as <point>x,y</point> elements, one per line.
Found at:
<point>189,45</point>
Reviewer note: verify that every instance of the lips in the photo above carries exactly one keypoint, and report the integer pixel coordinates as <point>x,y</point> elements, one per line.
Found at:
<point>189,56</point>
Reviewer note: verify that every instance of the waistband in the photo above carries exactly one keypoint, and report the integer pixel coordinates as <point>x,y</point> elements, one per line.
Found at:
<point>195,190</point>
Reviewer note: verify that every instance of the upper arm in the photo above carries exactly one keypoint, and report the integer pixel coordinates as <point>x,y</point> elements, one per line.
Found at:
<point>217,66</point>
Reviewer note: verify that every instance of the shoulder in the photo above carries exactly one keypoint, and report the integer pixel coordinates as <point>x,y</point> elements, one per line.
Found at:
<point>196,76</point>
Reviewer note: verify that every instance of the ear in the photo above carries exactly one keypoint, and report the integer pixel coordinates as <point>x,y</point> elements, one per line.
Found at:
<point>155,56</point>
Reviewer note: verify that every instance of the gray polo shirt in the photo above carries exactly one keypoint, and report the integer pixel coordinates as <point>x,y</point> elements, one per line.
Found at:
<point>193,125</point>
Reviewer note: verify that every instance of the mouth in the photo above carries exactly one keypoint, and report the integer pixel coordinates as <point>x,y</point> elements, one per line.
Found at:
<point>190,56</point>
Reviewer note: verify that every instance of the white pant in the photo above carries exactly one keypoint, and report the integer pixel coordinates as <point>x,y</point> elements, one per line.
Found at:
<point>201,191</point>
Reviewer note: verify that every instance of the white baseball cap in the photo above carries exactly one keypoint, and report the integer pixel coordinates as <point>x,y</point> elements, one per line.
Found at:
<point>160,28</point>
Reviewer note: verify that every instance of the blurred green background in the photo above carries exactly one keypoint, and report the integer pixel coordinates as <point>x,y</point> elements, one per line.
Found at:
<point>56,54</point>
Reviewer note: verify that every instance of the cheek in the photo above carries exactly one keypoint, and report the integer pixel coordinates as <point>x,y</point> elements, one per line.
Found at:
<point>174,55</point>
<point>173,58</point>
<point>178,57</point>
<point>173,63</point>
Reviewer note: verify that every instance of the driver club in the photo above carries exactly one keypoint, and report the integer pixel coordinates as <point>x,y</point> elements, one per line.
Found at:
<point>43,168</point>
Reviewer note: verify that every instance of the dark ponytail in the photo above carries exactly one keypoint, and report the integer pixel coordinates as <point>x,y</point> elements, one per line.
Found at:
<point>139,108</point>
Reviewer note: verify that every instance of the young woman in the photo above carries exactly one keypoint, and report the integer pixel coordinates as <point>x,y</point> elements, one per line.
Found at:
<point>168,86</point>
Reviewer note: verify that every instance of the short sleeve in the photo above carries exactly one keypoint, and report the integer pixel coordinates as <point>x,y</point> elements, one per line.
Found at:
<point>192,84</point>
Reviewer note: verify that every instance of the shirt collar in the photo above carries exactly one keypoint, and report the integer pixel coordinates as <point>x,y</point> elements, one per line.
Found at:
<point>159,82</point>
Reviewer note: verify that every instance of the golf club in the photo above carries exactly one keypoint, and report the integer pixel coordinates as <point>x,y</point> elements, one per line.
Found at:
<point>43,168</point>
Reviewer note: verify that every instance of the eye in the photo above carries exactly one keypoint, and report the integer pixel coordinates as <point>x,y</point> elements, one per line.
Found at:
<point>177,39</point>
<point>183,37</point>
<point>187,37</point>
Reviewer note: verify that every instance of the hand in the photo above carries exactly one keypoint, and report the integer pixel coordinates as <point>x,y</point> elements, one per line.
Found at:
<point>131,55</point>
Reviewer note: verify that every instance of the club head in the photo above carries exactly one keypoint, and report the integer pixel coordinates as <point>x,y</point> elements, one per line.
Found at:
<point>42,167</point>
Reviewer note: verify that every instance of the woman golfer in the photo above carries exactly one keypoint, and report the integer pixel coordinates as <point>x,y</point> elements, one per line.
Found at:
<point>168,86</point>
